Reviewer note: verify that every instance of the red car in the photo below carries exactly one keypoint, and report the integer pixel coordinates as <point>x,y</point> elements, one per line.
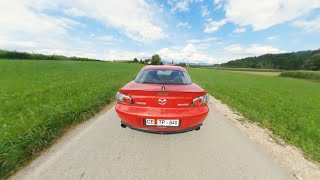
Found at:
<point>162,99</point>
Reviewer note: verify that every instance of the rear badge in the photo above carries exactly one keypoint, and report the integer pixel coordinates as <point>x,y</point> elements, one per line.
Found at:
<point>186,104</point>
<point>141,103</point>
<point>162,101</point>
<point>163,88</point>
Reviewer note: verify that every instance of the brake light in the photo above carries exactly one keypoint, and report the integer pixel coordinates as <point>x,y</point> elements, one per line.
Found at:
<point>123,98</point>
<point>127,100</point>
<point>197,102</point>
<point>201,100</point>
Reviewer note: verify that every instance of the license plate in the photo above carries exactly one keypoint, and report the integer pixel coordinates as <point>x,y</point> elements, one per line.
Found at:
<point>163,122</point>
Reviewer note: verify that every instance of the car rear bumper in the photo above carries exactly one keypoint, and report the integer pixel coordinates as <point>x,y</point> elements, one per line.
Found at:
<point>134,116</point>
<point>162,131</point>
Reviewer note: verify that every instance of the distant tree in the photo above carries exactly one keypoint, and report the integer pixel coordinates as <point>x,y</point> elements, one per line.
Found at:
<point>182,64</point>
<point>309,60</point>
<point>141,62</point>
<point>147,61</point>
<point>313,63</point>
<point>155,59</point>
<point>135,60</point>
<point>25,55</point>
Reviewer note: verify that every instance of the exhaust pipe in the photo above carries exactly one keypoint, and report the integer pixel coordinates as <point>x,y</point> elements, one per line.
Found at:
<point>197,129</point>
<point>123,125</point>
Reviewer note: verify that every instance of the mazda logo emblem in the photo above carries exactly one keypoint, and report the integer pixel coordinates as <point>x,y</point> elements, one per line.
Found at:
<point>162,101</point>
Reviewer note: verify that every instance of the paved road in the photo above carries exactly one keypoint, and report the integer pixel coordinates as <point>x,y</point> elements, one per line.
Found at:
<point>101,149</point>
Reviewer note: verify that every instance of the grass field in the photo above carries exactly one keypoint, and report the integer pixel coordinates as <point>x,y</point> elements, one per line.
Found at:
<point>244,69</point>
<point>289,107</point>
<point>39,99</point>
<point>264,73</point>
<point>313,75</point>
<point>257,71</point>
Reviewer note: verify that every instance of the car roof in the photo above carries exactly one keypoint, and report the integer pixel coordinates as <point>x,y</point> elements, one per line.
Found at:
<point>163,67</point>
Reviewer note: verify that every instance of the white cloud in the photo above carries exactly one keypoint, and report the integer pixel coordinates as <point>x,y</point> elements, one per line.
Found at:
<point>118,54</point>
<point>109,55</point>
<point>161,8</point>
<point>61,46</point>
<point>181,5</point>
<point>270,38</point>
<point>218,3</point>
<point>205,43</point>
<point>259,50</point>
<point>234,48</point>
<point>26,29</point>
<point>264,14</point>
<point>212,26</point>
<point>135,19</point>
<point>188,53</point>
<point>25,26</point>
<point>202,40</point>
<point>239,30</point>
<point>106,38</point>
<point>66,52</point>
<point>253,50</point>
<point>74,12</point>
<point>205,11</point>
<point>17,17</point>
<point>309,25</point>
<point>17,43</point>
<point>183,25</point>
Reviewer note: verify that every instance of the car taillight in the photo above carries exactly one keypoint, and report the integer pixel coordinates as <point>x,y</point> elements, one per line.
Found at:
<point>123,98</point>
<point>201,100</point>
<point>127,100</point>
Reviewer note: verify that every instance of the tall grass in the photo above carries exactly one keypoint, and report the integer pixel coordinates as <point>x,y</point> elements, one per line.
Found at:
<point>315,75</point>
<point>246,69</point>
<point>288,107</point>
<point>40,99</point>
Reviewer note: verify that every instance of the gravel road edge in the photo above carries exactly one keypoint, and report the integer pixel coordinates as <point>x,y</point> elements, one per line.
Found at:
<point>286,155</point>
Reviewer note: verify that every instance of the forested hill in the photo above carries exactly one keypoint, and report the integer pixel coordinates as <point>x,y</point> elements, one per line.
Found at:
<point>304,60</point>
<point>32,56</point>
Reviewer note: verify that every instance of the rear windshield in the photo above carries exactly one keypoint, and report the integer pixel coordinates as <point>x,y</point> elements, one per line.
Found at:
<point>155,76</point>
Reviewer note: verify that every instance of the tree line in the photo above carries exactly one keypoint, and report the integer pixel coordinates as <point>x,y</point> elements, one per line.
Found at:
<point>155,60</point>
<point>33,56</point>
<point>301,60</point>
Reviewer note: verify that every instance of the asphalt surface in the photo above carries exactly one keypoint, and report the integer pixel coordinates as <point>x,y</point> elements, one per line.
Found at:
<point>101,149</point>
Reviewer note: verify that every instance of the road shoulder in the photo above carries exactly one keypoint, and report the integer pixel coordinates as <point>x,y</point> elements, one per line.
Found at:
<point>286,155</point>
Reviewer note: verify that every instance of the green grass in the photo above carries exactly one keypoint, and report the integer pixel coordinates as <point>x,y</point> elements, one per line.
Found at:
<point>264,73</point>
<point>41,99</point>
<point>288,107</point>
<point>245,69</point>
<point>314,75</point>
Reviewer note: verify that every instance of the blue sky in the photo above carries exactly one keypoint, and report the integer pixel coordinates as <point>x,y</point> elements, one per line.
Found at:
<point>212,31</point>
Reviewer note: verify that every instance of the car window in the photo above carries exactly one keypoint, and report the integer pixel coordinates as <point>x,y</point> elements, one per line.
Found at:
<point>160,76</point>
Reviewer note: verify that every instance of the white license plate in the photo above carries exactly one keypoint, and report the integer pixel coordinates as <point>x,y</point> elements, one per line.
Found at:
<point>162,122</point>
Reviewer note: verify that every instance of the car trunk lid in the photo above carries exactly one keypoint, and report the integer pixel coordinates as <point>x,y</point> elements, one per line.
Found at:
<point>162,95</point>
